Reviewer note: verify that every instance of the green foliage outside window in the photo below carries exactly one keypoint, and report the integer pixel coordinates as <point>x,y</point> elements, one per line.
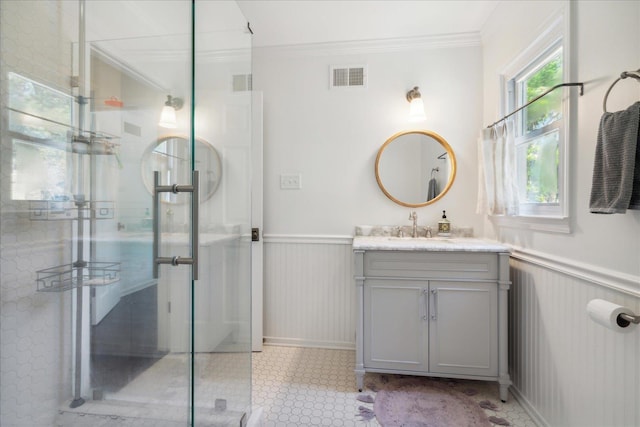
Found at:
<point>548,108</point>
<point>39,119</point>
<point>543,156</point>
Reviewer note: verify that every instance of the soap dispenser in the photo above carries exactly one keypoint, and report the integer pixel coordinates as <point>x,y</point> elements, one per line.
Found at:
<point>444,226</point>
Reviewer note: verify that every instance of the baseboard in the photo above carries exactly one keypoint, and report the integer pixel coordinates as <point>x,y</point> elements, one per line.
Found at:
<point>257,418</point>
<point>295,342</point>
<point>528,408</point>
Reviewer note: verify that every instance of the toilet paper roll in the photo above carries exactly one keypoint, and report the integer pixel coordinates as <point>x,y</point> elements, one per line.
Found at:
<point>606,314</point>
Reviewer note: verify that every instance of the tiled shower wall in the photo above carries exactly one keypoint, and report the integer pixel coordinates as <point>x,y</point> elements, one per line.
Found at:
<point>35,355</point>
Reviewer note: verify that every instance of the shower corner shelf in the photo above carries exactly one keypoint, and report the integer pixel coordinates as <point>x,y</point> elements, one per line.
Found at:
<point>68,276</point>
<point>50,210</point>
<point>60,135</point>
<point>89,142</point>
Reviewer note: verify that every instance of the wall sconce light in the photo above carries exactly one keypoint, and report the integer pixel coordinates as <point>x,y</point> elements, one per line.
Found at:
<point>416,107</point>
<point>168,115</point>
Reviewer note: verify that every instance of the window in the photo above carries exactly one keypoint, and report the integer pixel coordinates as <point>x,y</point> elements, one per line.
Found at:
<point>39,121</point>
<point>539,133</point>
<point>541,129</point>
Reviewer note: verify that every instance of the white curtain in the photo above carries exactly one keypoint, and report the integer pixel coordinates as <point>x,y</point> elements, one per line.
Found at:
<point>497,175</point>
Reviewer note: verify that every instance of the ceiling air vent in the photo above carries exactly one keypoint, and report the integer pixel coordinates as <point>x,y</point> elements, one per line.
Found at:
<point>348,76</point>
<point>241,82</point>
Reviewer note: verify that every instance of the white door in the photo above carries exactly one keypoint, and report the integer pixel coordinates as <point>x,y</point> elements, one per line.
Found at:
<point>257,253</point>
<point>220,311</point>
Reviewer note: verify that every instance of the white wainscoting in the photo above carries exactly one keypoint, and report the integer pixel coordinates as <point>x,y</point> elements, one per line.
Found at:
<point>566,369</point>
<point>309,295</point>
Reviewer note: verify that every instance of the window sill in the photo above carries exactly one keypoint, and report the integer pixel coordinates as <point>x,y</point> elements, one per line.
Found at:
<point>533,223</point>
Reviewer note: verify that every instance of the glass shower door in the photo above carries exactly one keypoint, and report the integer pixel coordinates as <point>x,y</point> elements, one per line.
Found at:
<point>201,356</point>
<point>136,63</point>
<point>222,294</point>
<point>116,91</point>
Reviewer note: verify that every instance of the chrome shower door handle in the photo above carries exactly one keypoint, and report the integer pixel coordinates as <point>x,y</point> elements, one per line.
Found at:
<point>194,189</point>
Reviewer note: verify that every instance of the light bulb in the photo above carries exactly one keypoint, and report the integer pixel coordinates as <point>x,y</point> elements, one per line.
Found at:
<point>416,110</point>
<point>168,117</point>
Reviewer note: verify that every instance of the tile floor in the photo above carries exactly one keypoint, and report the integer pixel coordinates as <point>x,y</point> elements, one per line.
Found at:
<point>316,387</point>
<point>158,397</point>
<point>293,386</point>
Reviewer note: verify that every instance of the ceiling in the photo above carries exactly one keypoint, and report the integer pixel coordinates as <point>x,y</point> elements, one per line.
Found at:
<point>153,38</point>
<point>293,22</point>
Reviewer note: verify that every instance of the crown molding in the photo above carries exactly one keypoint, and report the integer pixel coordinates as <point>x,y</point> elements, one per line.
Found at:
<point>404,44</point>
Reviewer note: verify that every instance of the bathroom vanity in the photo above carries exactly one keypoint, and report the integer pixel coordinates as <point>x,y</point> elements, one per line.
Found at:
<point>432,306</point>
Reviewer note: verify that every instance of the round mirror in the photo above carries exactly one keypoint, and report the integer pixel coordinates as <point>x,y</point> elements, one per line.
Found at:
<point>415,168</point>
<point>170,156</point>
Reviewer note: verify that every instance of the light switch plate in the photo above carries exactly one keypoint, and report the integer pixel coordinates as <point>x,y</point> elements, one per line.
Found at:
<point>290,181</point>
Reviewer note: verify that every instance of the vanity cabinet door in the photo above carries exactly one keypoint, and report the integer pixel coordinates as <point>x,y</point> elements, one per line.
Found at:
<point>396,324</point>
<point>463,325</point>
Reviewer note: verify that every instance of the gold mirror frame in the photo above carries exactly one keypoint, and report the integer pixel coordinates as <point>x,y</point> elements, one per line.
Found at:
<point>445,146</point>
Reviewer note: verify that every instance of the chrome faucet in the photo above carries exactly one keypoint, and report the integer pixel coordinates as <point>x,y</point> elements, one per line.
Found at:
<point>414,216</point>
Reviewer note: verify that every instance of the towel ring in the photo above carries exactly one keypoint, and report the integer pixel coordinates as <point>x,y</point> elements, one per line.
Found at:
<point>623,75</point>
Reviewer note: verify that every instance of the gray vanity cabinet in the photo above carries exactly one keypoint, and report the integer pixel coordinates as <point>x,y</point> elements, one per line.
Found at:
<point>435,313</point>
<point>463,328</point>
<point>394,332</point>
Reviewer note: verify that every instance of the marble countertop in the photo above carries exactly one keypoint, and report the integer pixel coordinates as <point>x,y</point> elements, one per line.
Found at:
<point>453,244</point>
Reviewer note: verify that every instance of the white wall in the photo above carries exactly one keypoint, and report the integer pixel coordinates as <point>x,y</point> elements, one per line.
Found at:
<point>566,369</point>
<point>331,137</point>
<point>606,41</point>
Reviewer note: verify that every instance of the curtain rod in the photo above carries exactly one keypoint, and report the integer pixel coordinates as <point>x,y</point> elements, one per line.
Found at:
<point>538,97</point>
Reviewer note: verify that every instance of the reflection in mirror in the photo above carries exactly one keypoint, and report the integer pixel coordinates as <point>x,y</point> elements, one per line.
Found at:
<point>415,168</point>
<point>39,120</point>
<point>170,155</point>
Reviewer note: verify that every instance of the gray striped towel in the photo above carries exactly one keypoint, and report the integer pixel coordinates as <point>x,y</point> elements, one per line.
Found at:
<point>616,170</point>
<point>432,190</point>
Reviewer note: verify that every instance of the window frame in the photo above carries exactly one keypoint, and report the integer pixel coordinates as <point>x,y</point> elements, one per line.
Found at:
<point>553,36</point>
<point>515,100</point>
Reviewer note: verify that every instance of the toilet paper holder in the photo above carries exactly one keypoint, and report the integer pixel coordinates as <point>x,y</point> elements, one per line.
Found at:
<point>625,319</point>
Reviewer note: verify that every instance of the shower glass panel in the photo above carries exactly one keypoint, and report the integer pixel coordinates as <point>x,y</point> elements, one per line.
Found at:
<point>221,297</point>
<point>88,335</point>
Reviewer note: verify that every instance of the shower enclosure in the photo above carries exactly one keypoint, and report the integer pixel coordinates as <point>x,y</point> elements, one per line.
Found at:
<point>125,202</point>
